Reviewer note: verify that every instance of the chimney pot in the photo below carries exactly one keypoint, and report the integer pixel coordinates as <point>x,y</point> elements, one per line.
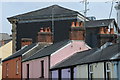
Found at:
<point>77,24</point>
<point>3,42</point>
<point>111,30</point>
<point>73,24</point>
<point>46,30</point>
<point>41,30</point>
<point>106,31</point>
<point>81,24</point>
<point>101,31</point>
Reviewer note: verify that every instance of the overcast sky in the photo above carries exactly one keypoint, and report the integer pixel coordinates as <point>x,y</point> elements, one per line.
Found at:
<point>100,10</point>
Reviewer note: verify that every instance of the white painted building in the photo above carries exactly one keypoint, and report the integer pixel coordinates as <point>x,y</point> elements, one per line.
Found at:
<point>101,63</point>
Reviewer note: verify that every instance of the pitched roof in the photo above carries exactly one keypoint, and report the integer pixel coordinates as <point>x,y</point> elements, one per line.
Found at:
<point>99,23</point>
<point>46,12</point>
<point>91,56</point>
<point>73,60</point>
<point>4,36</point>
<point>34,49</point>
<point>102,54</point>
<point>19,52</point>
<point>46,51</point>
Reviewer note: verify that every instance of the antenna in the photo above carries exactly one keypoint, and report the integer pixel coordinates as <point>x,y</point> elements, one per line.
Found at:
<point>85,13</point>
<point>111,9</point>
<point>53,23</point>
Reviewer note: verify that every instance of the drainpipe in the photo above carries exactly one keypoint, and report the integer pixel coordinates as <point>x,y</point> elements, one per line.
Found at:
<point>104,70</point>
<point>118,69</point>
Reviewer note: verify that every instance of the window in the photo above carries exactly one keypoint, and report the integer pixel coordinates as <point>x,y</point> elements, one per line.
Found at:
<point>42,69</point>
<point>17,67</point>
<point>108,73</point>
<point>91,72</point>
<point>7,70</point>
<point>27,71</point>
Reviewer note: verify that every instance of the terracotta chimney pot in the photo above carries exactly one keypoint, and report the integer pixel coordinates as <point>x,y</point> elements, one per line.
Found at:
<point>111,30</point>
<point>106,31</point>
<point>46,30</point>
<point>77,24</point>
<point>41,30</point>
<point>101,31</point>
<point>73,24</point>
<point>81,24</point>
<point>3,42</point>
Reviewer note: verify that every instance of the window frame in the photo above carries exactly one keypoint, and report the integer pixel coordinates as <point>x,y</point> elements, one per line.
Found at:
<point>17,67</point>
<point>108,71</point>
<point>42,69</point>
<point>7,69</point>
<point>91,71</point>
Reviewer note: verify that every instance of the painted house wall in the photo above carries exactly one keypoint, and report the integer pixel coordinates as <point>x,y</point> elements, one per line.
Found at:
<point>98,68</point>
<point>5,51</point>
<point>82,71</point>
<point>67,51</point>
<point>11,68</point>
<point>65,73</point>
<point>35,68</point>
<point>54,74</point>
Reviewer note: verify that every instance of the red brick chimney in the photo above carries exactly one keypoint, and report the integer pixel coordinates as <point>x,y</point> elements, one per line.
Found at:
<point>105,36</point>
<point>76,32</point>
<point>45,35</point>
<point>26,41</point>
<point>2,42</point>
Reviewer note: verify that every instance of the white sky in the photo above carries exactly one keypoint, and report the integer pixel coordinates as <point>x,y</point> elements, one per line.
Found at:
<point>98,8</point>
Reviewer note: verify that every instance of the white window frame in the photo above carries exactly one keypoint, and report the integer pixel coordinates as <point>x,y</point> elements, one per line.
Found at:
<point>108,69</point>
<point>17,67</point>
<point>7,69</point>
<point>90,71</point>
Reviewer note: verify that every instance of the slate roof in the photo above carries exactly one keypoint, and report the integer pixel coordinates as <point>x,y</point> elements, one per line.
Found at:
<point>34,50</point>
<point>99,23</point>
<point>19,52</point>
<point>73,60</point>
<point>46,51</point>
<point>91,56</point>
<point>46,12</point>
<point>4,36</point>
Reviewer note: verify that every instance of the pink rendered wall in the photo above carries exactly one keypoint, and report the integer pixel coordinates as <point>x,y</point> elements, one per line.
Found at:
<point>75,46</point>
<point>35,68</point>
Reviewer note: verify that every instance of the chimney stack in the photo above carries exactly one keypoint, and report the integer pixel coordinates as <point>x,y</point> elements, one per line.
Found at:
<point>45,35</point>
<point>105,36</point>
<point>26,41</point>
<point>2,42</point>
<point>76,32</point>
